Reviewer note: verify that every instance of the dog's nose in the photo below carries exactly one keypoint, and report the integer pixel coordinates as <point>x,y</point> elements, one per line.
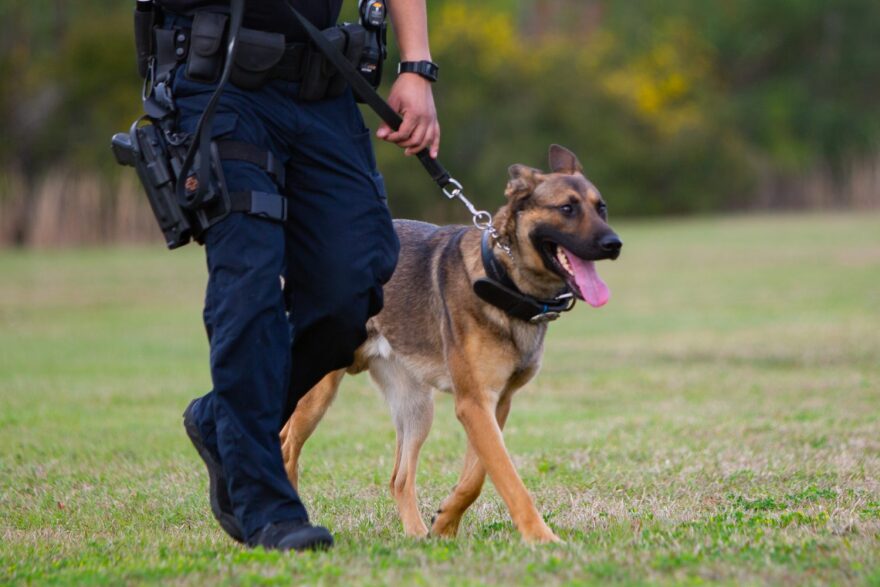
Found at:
<point>611,244</point>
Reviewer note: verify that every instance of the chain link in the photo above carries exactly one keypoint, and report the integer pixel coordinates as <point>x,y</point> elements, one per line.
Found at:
<point>481,218</point>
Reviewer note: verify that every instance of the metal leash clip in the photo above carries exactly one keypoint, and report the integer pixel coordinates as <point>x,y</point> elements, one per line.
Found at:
<point>481,218</point>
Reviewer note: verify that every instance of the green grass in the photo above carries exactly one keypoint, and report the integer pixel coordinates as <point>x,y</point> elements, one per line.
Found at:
<point>718,421</point>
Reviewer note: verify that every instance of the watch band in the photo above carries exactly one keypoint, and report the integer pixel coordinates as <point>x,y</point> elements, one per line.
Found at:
<point>426,69</point>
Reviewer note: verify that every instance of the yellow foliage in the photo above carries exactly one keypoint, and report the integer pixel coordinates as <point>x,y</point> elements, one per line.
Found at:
<point>660,84</point>
<point>489,36</point>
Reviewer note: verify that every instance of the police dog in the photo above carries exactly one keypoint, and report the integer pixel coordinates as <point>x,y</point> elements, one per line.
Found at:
<point>434,333</point>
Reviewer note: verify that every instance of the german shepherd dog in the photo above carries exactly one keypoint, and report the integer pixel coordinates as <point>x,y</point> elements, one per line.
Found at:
<point>434,333</point>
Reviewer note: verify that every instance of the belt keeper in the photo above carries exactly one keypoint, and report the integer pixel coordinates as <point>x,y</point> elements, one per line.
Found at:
<point>268,205</point>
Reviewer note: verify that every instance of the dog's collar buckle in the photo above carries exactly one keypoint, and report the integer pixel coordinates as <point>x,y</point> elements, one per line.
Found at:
<point>544,317</point>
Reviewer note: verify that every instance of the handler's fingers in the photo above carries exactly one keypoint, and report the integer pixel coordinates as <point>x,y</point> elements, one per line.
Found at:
<point>406,129</point>
<point>384,131</point>
<point>427,139</point>
<point>417,137</point>
<point>435,143</point>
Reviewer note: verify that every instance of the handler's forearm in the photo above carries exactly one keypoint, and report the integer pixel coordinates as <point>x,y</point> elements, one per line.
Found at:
<point>410,21</point>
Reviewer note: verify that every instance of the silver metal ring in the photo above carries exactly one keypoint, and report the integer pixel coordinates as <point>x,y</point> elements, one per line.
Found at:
<point>482,220</point>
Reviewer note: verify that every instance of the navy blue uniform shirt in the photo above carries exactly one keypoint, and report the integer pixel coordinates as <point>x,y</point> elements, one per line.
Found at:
<point>270,15</point>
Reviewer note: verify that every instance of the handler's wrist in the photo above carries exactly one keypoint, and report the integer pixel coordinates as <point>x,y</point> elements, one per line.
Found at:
<point>426,69</point>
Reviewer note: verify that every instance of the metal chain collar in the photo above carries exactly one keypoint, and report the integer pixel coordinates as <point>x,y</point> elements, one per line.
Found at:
<point>481,218</point>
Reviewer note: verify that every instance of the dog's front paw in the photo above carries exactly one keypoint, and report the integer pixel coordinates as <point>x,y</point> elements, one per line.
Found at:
<point>541,534</point>
<point>551,539</point>
<point>415,529</point>
<point>443,525</point>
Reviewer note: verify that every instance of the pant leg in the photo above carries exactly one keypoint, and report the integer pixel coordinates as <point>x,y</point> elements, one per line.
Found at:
<point>341,243</point>
<point>249,367</point>
<point>246,320</point>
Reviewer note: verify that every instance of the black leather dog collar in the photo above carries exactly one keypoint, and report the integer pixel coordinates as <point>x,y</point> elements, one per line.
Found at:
<point>498,289</point>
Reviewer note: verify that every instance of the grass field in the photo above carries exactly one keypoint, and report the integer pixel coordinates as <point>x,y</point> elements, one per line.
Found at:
<point>718,421</point>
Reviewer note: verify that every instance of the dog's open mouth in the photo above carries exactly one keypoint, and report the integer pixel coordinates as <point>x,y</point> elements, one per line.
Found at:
<point>579,274</point>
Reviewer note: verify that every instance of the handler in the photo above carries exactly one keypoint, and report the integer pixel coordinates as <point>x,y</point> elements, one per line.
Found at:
<point>335,251</point>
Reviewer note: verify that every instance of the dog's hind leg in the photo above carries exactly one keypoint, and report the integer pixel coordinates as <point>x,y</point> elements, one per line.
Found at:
<point>470,483</point>
<point>305,419</point>
<point>412,409</point>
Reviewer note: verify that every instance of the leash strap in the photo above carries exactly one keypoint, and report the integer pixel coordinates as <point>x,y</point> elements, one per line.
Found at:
<point>368,95</point>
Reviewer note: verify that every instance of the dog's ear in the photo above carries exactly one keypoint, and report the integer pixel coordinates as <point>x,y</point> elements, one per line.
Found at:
<point>523,180</point>
<point>564,161</point>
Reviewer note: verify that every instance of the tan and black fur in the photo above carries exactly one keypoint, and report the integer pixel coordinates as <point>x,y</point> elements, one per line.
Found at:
<point>434,333</point>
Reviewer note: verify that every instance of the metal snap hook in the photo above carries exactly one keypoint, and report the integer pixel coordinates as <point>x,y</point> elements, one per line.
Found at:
<point>451,194</point>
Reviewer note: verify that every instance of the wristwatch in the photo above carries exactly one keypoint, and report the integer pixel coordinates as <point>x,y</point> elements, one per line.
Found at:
<point>426,69</point>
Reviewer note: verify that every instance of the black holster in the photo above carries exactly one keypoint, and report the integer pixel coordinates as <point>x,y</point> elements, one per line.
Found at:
<point>158,156</point>
<point>157,164</point>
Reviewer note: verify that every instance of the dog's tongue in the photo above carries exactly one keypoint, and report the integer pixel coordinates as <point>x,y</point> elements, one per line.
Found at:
<point>592,287</point>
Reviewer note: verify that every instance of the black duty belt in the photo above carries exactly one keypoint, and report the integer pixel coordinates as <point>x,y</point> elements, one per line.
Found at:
<point>173,45</point>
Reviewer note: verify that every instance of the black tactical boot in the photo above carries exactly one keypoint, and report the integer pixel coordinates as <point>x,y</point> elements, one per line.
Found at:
<point>221,505</point>
<point>297,536</point>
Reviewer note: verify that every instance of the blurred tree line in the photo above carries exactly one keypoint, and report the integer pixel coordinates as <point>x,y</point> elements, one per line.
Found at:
<point>673,106</point>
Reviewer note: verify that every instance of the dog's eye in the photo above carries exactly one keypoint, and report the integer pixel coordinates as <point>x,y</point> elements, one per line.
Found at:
<point>567,209</point>
<point>602,209</point>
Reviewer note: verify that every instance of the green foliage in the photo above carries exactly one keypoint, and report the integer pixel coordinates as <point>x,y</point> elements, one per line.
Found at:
<point>673,105</point>
<point>101,86</point>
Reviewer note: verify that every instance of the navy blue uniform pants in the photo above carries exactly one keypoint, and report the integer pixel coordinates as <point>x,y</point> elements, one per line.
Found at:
<point>270,345</point>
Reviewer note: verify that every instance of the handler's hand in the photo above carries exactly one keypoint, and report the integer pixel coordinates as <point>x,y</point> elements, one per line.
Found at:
<point>411,96</point>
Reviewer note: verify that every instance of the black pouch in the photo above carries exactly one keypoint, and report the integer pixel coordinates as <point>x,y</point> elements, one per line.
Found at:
<point>258,52</point>
<point>355,39</point>
<point>318,70</point>
<point>205,59</point>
